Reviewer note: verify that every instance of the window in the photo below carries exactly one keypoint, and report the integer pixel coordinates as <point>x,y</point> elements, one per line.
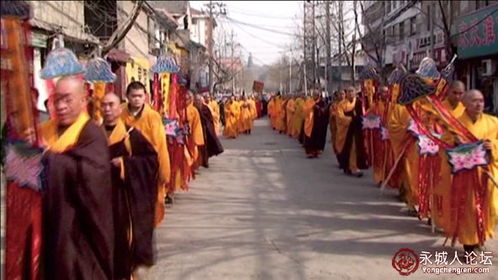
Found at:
<point>402,30</point>
<point>388,6</point>
<point>413,25</point>
<point>481,4</point>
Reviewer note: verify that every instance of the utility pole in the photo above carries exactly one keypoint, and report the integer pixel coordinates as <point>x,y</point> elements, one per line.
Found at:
<point>233,63</point>
<point>211,41</point>
<point>304,47</point>
<point>339,25</point>
<point>290,72</point>
<point>305,80</point>
<point>314,45</point>
<point>327,43</point>
<point>431,20</point>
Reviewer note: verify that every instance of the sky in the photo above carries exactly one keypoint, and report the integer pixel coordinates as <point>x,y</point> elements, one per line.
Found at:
<point>279,17</point>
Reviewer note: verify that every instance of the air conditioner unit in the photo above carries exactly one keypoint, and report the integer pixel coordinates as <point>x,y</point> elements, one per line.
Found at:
<point>487,67</point>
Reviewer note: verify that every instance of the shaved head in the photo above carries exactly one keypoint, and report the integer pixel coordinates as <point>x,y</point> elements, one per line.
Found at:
<point>455,92</point>
<point>71,82</point>
<point>110,107</point>
<point>111,96</point>
<point>473,100</point>
<point>69,99</point>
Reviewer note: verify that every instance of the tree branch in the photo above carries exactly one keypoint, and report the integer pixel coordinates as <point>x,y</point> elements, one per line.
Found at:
<point>119,35</point>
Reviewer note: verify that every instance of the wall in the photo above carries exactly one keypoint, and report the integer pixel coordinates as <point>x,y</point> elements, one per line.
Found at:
<point>136,42</point>
<point>67,14</point>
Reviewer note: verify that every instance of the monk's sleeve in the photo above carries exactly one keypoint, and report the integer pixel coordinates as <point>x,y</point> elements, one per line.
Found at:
<point>141,178</point>
<point>341,119</point>
<point>197,132</point>
<point>159,137</point>
<point>397,127</point>
<point>494,141</point>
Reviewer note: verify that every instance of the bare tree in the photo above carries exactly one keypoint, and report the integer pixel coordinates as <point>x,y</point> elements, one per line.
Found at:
<point>373,42</point>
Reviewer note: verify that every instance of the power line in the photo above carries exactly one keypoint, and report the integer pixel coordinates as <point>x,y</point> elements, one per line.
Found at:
<point>259,27</point>
<point>244,12</point>
<point>257,37</point>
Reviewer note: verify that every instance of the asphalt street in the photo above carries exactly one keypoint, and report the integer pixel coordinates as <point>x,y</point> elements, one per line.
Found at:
<point>264,211</point>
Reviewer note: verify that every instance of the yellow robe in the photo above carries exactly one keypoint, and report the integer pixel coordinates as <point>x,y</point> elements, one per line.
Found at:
<point>245,119</point>
<point>215,111</point>
<point>298,117</point>
<point>118,133</point>
<point>252,107</point>
<point>231,123</point>
<point>342,125</point>
<point>334,107</point>
<point>59,143</point>
<point>150,124</point>
<point>377,108</point>
<point>271,112</point>
<point>397,126</point>
<point>485,128</point>
<point>278,114</point>
<point>196,137</point>
<point>290,109</point>
<point>308,116</point>
<point>441,206</point>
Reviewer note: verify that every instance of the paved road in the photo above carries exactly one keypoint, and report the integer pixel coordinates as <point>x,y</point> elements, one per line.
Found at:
<point>264,211</point>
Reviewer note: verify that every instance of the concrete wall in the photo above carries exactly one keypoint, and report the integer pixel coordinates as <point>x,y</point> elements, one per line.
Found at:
<point>68,14</point>
<point>136,42</point>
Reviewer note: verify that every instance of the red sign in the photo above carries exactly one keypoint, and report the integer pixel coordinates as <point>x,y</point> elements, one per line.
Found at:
<point>405,261</point>
<point>258,86</point>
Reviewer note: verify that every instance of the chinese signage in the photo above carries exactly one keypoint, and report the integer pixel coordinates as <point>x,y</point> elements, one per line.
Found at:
<point>138,70</point>
<point>405,261</point>
<point>478,33</point>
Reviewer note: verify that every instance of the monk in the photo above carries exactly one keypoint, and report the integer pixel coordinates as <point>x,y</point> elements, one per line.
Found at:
<point>349,142</point>
<point>195,139</point>
<point>485,128</point>
<point>298,117</point>
<point>253,110</point>
<point>271,112</point>
<point>215,112</point>
<point>290,110</point>
<point>405,148</point>
<point>375,145</point>
<point>441,210</point>
<point>212,145</point>
<point>138,114</point>
<point>134,176</point>
<point>245,119</point>
<point>339,96</point>
<point>238,115</point>
<point>307,126</point>
<point>278,111</point>
<point>231,123</point>
<point>77,205</point>
<point>318,118</point>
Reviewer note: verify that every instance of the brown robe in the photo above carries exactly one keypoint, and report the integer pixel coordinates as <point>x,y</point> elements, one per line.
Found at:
<point>78,214</point>
<point>134,202</point>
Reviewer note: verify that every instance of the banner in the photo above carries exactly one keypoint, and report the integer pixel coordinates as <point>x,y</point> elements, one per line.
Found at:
<point>258,86</point>
<point>138,70</point>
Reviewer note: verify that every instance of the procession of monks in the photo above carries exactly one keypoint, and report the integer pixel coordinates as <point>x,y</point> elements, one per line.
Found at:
<point>240,114</point>
<point>374,131</point>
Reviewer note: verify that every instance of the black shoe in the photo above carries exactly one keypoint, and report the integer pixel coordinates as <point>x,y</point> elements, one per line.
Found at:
<point>471,248</point>
<point>168,200</point>
<point>358,174</point>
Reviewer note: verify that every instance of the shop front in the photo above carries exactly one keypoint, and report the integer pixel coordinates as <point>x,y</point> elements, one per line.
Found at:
<point>477,41</point>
